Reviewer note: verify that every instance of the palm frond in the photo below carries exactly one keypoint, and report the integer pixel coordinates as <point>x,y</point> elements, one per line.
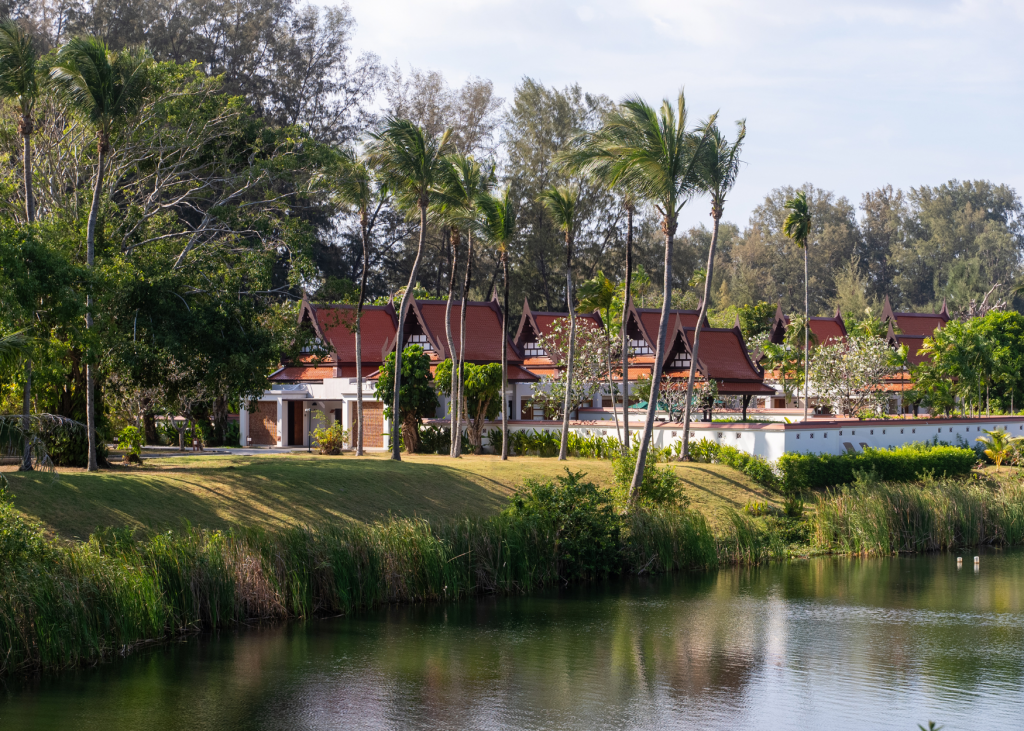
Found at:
<point>560,202</point>
<point>408,161</point>
<point>13,347</point>
<point>19,66</point>
<point>797,225</point>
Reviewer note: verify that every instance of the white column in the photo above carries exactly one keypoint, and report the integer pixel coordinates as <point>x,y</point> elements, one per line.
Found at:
<point>280,422</point>
<point>243,425</point>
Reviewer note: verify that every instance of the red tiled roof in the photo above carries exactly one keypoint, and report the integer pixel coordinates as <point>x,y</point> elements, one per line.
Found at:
<point>303,373</point>
<point>827,330</point>
<point>651,320</point>
<point>924,325</point>
<point>723,354</point>
<point>913,344</point>
<point>484,336</point>
<point>378,326</point>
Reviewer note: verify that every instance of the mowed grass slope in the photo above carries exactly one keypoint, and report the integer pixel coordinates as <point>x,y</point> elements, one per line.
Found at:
<point>275,491</point>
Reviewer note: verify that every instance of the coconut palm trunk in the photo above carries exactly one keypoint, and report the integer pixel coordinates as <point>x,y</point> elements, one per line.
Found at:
<point>453,392</point>
<point>652,402</point>
<point>807,337</point>
<point>30,215</point>
<point>563,452</point>
<point>396,420</point>
<point>696,338</point>
<point>462,343</point>
<point>90,259</point>
<point>504,356</point>
<point>359,334</point>
<point>625,335</point>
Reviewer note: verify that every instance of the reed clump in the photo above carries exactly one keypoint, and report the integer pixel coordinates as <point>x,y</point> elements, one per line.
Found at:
<point>876,517</point>
<point>66,604</point>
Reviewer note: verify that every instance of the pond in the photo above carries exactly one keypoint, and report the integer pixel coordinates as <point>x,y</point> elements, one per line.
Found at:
<point>824,643</point>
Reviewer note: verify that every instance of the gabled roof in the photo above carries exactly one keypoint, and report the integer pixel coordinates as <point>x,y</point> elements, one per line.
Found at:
<point>922,324</point>
<point>333,324</point>
<point>484,331</point>
<point>913,343</point>
<point>534,324</point>
<point>723,356</point>
<point>826,330</point>
<point>646,321</point>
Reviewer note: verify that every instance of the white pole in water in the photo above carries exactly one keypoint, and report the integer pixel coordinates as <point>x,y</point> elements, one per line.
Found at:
<point>959,562</point>
<point>977,560</point>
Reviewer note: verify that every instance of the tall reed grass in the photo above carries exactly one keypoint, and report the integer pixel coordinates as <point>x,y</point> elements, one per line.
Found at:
<point>873,517</point>
<point>66,604</point>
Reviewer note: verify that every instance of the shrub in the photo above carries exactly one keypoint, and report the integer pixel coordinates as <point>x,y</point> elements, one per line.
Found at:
<point>19,539</point>
<point>759,509</point>
<point>703,450</point>
<point>330,440</point>
<point>659,487</point>
<point>586,527</point>
<point>903,464</point>
<point>756,468</point>
<point>130,440</point>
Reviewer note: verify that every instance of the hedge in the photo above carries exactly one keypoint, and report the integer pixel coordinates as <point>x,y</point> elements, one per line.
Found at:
<point>903,464</point>
<point>756,468</point>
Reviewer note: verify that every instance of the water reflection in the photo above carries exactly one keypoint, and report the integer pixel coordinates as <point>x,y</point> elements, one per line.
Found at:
<point>829,643</point>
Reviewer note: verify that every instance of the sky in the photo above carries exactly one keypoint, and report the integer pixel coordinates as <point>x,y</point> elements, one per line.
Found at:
<point>847,95</point>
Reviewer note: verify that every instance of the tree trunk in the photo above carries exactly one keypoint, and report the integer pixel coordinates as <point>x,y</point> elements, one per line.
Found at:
<point>30,200</point>
<point>611,382</point>
<point>149,428</point>
<point>462,347</point>
<point>504,357</point>
<point>30,214</point>
<point>696,340</point>
<point>26,419</point>
<point>90,257</point>
<point>652,403</point>
<point>563,452</point>
<point>359,335</point>
<point>625,335</point>
<point>395,413</point>
<point>807,334</point>
<point>453,389</point>
<point>220,419</point>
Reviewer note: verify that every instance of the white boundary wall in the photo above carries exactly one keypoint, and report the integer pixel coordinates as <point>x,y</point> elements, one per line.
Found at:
<point>819,436</point>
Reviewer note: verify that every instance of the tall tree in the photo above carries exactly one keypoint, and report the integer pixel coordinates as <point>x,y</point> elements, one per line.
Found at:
<point>357,188</point>
<point>561,203</point>
<point>601,294</point>
<point>499,228</point>
<point>720,164</point>
<point>105,88</point>
<point>19,82</point>
<point>655,155</point>
<point>464,183</point>
<point>411,164</point>
<point>797,226</point>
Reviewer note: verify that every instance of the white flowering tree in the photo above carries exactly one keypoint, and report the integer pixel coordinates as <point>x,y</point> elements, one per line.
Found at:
<point>590,370</point>
<point>848,375</point>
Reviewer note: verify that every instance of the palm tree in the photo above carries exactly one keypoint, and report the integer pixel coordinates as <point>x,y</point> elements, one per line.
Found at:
<point>592,154</point>
<point>720,164</point>
<point>105,88</point>
<point>12,348</point>
<point>1000,445</point>
<point>499,227</point>
<point>652,154</point>
<point>561,203</point>
<point>600,294</point>
<point>797,226</point>
<point>19,82</point>
<point>410,163</point>
<point>357,188</point>
<point>463,185</point>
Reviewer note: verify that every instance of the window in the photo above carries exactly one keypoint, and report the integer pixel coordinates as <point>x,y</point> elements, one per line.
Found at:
<point>420,340</point>
<point>640,347</point>
<point>534,351</point>
<point>681,360</point>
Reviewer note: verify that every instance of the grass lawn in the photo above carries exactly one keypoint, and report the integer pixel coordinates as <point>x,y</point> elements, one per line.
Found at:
<point>278,490</point>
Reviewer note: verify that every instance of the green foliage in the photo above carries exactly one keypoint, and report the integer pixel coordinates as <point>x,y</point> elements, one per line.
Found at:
<point>756,468</point>
<point>759,509</point>
<point>130,441</point>
<point>416,398</point>
<point>660,486</point>
<point>703,450</point>
<point>756,319</point>
<point>999,445</point>
<point>581,516</point>
<point>19,539</point>
<point>438,440</point>
<point>801,472</point>
<point>331,440</point>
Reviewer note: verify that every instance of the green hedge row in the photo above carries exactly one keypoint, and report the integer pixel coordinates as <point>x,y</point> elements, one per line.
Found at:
<point>756,468</point>
<point>903,464</point>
